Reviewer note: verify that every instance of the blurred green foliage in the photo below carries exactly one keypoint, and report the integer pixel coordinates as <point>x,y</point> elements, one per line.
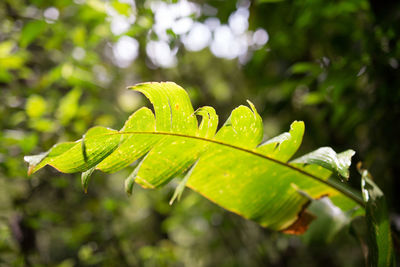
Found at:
<point>64,68</point>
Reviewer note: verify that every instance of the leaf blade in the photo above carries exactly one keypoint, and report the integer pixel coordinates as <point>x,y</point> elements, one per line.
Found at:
<point>380,237</point>
<point>231,169</point>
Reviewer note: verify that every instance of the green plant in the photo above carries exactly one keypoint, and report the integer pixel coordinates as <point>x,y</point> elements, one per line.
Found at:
<point>229,166</point>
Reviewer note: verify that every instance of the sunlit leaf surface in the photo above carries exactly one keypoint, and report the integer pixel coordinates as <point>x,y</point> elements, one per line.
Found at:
<point>231,167</point>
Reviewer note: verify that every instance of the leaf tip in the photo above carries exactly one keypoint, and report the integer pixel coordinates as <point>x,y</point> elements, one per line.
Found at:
<point>31,170</point>
<point>33,161</point>
<point>253,108</point>
<point>85,178</point>
<point>177,195</point>
<point>129,183</point>
<point>299,123</point>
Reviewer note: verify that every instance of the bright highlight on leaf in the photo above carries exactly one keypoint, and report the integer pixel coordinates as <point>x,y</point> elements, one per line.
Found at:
<point>231,166</point>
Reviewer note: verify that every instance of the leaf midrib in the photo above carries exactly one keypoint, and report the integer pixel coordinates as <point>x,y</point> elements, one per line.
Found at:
<point>347,193</point>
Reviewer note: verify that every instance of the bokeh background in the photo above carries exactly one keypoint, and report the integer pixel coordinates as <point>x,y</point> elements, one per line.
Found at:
<point>65,65</point>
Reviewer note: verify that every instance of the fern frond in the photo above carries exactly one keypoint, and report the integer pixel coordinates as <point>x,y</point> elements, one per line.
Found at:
<point>230,167</point>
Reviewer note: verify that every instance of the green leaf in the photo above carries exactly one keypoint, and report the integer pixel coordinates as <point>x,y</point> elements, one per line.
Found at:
<point>132,147</point>
<point>376,214</point>
<point>304,67</point>
<point>329,222</point>
<point>69,157</point>
<point>68,106</point>
<point>36,106</point>
<point>233,168</point>
<point>31,31</point>
<point>86,177</point>
<point>284,145</point>
<point>179,189</point>
<point>327,158</point>
<point>130,181</point>
<point>122,8</point>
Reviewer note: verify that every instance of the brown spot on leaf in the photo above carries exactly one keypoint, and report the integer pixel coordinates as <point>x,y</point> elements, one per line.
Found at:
<point>301,224</point>
<point>177,106</point>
